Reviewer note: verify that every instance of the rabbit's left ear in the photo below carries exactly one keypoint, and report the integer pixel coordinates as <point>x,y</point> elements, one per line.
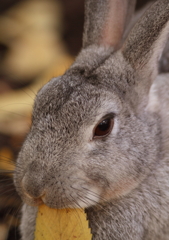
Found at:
<point>105,21</point>
<point>146,41</point>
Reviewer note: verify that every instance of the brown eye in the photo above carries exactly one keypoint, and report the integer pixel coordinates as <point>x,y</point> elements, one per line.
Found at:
<point>103,128</point>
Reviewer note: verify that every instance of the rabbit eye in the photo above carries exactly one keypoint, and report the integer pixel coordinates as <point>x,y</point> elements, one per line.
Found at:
<point>103,128</point>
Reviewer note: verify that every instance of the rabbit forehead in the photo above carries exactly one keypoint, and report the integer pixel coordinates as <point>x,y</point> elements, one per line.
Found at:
<point>117,73</point>
<point>60,100</point>
<point>112,73</point>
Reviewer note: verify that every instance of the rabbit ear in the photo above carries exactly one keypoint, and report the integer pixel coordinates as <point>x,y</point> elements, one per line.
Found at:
<point>105,21</point>
<point>146,41</point>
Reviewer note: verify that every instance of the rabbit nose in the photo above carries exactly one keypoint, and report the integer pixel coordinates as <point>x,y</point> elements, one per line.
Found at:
<point>37,200</point>
<point>33,188</point>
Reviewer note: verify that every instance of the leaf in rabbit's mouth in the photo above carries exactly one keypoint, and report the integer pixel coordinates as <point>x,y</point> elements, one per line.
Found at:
<point>61,224</point>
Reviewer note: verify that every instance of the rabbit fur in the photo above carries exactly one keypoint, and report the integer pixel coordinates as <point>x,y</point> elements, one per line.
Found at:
<point>122,179</point>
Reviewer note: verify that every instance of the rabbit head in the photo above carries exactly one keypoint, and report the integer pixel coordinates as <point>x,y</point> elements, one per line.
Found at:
<point>95,131</point>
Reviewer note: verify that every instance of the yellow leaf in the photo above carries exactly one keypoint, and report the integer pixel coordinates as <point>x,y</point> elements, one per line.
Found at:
<point>61,224</point>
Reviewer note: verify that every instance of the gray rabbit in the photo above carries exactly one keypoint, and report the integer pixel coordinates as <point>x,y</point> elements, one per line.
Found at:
<point>100,133</point>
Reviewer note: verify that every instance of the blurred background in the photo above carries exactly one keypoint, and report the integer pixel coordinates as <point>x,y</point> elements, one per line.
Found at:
<point>38,40</point>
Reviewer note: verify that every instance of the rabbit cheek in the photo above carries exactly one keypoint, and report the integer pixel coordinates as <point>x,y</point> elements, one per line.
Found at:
<point>120,190</point>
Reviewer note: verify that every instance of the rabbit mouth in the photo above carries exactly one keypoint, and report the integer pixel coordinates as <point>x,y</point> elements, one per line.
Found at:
<point>72,196</point>
<point>86,197</point>
<point>32,201</point>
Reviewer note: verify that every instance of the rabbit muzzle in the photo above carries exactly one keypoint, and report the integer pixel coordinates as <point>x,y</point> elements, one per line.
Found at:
<point>57,188</point>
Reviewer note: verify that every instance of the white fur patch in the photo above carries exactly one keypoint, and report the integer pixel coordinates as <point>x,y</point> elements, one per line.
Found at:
<point>92,198</point>
<point>153,102</point>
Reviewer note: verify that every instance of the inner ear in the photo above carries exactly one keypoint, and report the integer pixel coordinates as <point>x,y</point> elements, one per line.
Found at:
<point>114,24</point>
<point>105,21</point>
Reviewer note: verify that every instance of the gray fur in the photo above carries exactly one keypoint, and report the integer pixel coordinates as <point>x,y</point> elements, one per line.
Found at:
<point>27,226</point>
<point>122,180</point>
<point>143,41</point>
